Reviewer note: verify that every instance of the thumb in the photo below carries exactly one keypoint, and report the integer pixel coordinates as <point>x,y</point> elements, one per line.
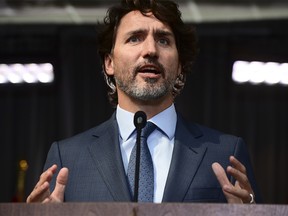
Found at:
<point>61,181</point>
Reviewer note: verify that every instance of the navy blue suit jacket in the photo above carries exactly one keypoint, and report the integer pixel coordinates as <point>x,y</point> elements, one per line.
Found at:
<point>96,171</point>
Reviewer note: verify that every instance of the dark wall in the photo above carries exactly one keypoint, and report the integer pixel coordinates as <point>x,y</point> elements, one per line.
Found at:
<point>32,117</point>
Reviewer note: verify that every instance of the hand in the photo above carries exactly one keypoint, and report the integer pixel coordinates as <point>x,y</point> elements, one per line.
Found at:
<point>41,192</point>
<point>242,191</point>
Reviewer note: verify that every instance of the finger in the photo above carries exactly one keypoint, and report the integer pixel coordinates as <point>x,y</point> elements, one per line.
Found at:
<point>241,178</point>
<point>225,183</point>
<point>61,181</point>
<point>242,187</point>
<point>39,194</point>
<point>41,190</point>
<point>237,164</point>
<point>220,174</point>
<point>46,176</point>
<point>237,191</point>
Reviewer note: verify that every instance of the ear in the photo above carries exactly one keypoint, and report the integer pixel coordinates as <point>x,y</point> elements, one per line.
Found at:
<point>109,66</point>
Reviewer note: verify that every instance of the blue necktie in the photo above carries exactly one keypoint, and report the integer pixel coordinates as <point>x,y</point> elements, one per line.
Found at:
<point>146,177</point>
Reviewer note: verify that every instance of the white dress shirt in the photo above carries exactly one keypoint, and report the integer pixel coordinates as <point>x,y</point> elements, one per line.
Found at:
<point>160,144</point>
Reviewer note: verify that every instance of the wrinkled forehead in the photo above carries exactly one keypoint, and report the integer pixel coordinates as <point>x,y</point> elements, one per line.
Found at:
<point>135,19</point>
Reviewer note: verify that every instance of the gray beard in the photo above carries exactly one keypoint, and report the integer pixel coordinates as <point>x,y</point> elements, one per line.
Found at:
<point>151,91</point>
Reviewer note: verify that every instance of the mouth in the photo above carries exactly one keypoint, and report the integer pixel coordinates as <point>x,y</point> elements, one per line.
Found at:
<point>150,69</point>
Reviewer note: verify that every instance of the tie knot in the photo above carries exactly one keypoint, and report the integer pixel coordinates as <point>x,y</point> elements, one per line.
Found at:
<point>148,129</point>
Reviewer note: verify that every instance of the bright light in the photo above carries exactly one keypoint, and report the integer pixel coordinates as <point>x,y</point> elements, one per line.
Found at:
<point>284,73</point>
<point>3,76</point>
<point>240,73</point>
<point>257,72</point>
<point>46,75</point>
<point>26,73</point>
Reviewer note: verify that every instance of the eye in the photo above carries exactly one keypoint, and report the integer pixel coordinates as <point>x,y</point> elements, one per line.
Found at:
<point>134,39</point>
<point>164,41</point>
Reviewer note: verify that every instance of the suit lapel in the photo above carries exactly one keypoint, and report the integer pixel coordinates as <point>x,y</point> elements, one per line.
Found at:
<point>106,153</point>
<point>186,158</point>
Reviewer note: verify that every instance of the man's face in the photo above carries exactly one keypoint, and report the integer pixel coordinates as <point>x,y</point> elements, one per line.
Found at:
<point>144,60</point>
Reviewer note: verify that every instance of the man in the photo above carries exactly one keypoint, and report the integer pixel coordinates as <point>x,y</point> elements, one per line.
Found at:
<point>147,51</point>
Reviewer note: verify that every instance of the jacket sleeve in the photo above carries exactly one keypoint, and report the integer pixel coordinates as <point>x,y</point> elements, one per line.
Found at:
<point>53,157</point>
<point>242,154</point>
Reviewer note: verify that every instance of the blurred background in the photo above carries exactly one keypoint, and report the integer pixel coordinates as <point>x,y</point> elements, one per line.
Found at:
<point>51,85</point>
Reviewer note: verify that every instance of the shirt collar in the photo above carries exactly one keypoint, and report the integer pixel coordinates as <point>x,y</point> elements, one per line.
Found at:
<point>166,121</point>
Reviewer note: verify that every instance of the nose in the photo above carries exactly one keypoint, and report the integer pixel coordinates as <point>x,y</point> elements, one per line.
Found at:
<point>150,48</point>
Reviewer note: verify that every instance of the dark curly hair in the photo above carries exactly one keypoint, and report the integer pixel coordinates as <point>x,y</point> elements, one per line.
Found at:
<point>164,10</point>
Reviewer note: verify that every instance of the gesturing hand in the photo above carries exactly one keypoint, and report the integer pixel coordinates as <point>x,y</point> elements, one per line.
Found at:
<point>242,191</point>
<point>41,192</point>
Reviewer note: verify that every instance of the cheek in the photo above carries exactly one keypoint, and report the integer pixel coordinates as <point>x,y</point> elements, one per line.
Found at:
<point>123,61</point>
<point>123,67</point>
<point>172,64</point>
<point>125,54</point>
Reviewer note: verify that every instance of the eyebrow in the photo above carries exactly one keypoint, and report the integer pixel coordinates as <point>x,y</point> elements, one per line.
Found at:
<point>158,32</point>
<point>136,32</point>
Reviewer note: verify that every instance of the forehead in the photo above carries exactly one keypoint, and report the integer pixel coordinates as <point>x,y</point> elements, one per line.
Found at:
<point>136,20</point>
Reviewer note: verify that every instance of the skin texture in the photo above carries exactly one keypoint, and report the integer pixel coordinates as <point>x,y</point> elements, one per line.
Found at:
<point>145,64</point>
<point>240,192</point>
<point>41,192</point>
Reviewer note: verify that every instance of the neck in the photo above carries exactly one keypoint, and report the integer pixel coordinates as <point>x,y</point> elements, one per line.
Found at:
<point>151,108</point>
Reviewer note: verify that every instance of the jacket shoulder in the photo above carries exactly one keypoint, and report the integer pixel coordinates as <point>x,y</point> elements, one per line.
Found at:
<point>88,135</point>
<point>205,133</point>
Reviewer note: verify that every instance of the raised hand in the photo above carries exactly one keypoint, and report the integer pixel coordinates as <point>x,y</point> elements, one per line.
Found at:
<point>242,191</point>
<point>41,192</point>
